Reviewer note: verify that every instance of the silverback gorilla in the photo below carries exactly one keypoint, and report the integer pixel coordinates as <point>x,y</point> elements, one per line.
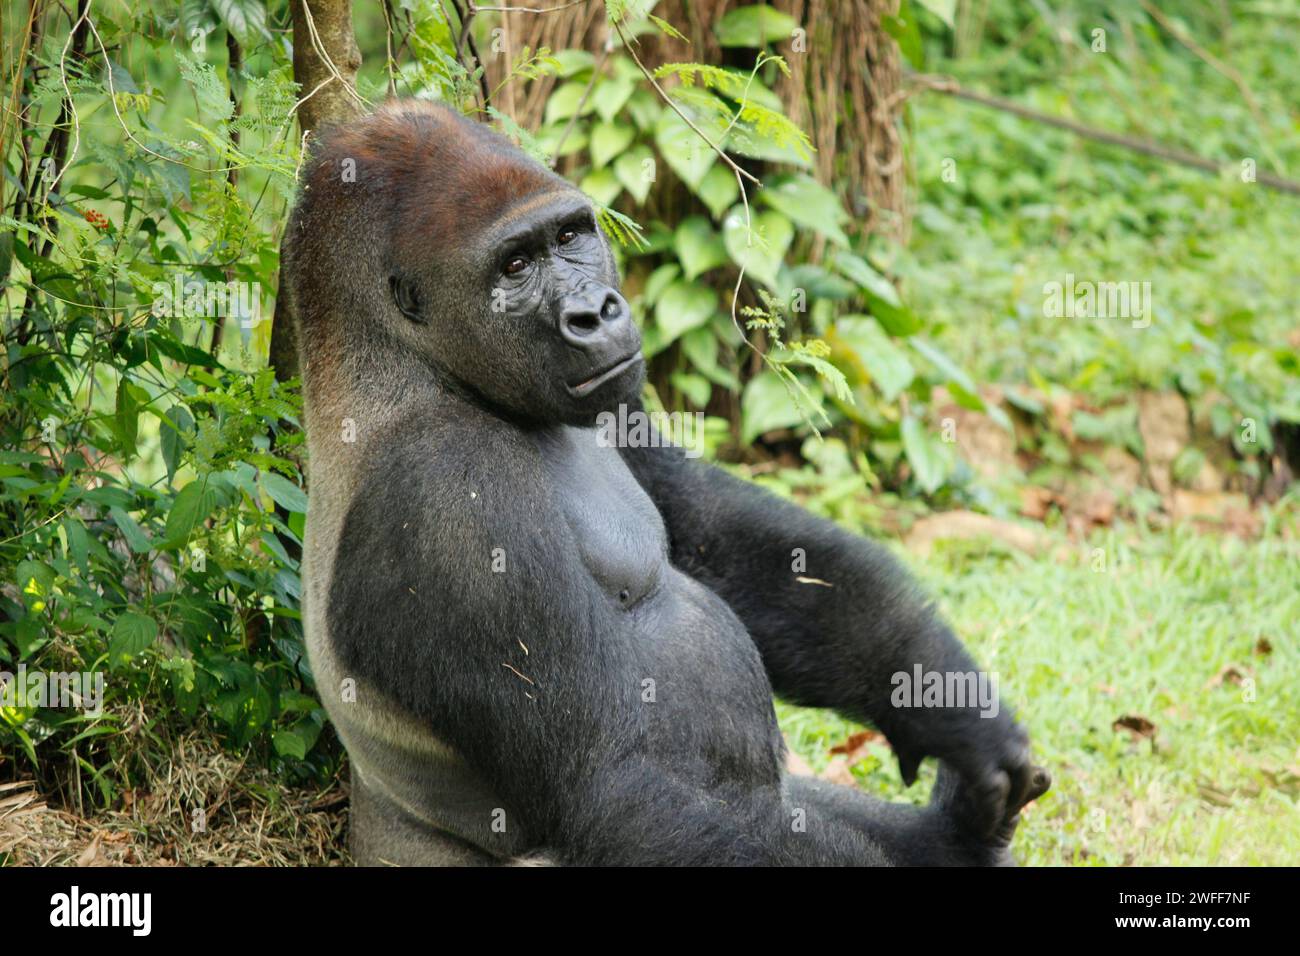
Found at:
<point>539,648</point>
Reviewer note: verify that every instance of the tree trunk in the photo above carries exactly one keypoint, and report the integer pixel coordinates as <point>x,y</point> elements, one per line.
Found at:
<point>330,91</point>
<point>844,88</point>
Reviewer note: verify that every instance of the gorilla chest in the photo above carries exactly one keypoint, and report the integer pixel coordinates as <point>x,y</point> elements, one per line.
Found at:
<point>618,531</point>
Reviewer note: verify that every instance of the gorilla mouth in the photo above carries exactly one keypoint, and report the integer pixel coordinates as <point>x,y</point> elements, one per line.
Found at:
<point>585,388</point>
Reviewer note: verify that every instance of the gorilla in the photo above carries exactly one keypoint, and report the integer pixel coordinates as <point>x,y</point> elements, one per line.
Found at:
<point>540,647</point>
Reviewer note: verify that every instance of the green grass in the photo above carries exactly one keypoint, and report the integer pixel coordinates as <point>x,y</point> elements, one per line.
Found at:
<point>1077,648</point>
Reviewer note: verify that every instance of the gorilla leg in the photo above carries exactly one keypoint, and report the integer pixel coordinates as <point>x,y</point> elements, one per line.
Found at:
<point>907,835</point>
<point>384,834</point>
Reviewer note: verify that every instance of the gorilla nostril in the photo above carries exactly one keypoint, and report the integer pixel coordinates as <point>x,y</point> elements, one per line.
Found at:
<point>612,309</point>
<point>582,323</point>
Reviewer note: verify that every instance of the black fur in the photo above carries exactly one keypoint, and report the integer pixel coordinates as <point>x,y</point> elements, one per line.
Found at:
<point>595,634</point>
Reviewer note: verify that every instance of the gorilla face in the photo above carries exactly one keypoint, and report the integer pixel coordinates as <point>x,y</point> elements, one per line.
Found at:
<point>553,278</point>
<point>537,328</point>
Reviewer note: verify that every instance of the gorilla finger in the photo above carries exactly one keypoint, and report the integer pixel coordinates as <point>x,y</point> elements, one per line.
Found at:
<point>985,805</point>
<point>908,766</point>
<point>1040,782</point>
<point>1020,776</point>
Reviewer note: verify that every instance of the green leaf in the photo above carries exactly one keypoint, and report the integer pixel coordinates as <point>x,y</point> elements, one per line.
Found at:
<point>667,28</point>
<point>718,190</point>
<point>684,306</point>
<point>132,633</point>
<point>689,156</point>
<point>923,453</point>
<point>951,372</point>
<point>771,237</point>
<point>602,186</point>
<point>180,351</point>
<point>698,247</point>
<point>635,169</point>
<point>197,16</point>
<point>123,82</point>
<point>659,280</point>
<point>904,30</point>
<point>766,134</point>
<point>563,103</point>
<point>609,140</point>
<point>755,26</point>
<point>289,744</point>
<point>644,108</point>
<point>35,582</point>
<point>878,359</point>
<point>696,388</point>
<point>135,536</point>
<point>126,417</point>
<point>700,346</point>
<point>284,492</point>
<point>192,505</point>
<point>943,9</point>
<point>177,425</point>
<point>880,294</point>
<point>807,203</point>
<point>573,62</point>
<point>623,229</point>
<point>610,96</point>
<point>78,542</point>
<point>212,95</point>
<point>765,406</point>
<point>817,283</point>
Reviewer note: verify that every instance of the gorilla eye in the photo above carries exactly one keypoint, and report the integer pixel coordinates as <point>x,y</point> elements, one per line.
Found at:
<point>516,265</point>
<point>566,236</point>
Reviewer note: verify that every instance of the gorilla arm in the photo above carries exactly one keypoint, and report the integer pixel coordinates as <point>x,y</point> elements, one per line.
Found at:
<point>835,617</point>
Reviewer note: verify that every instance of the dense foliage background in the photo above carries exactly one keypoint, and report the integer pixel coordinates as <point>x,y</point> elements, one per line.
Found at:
<point>886,354</point>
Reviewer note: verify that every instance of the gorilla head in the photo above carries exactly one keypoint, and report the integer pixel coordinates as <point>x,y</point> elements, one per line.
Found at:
<point>480,263</point>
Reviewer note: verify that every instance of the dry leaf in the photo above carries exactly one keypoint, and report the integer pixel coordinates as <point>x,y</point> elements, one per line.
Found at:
<point>1035,502</point>
<point>1228,674</point>
<point>1139,727</point>
<point>90,855</point>
<point>856,742</point>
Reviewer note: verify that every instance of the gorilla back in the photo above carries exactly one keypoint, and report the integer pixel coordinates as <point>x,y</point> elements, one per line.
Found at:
<point>535,646</point>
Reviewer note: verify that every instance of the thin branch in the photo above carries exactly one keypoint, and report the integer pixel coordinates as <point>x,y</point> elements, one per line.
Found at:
<point>949,86</point>
<point>388,44</point>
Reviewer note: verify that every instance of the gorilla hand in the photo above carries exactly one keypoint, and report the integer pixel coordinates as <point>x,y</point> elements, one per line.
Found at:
<point>954,800</point>
<point>990,758</point>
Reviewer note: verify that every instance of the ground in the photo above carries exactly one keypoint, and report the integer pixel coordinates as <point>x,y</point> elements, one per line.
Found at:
<point>1158,672</point>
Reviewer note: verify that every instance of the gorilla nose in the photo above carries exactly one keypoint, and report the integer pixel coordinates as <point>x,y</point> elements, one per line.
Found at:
<point>586,325</point>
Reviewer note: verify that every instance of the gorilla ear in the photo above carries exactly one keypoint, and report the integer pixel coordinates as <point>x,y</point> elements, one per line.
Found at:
<point>407,297</point>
